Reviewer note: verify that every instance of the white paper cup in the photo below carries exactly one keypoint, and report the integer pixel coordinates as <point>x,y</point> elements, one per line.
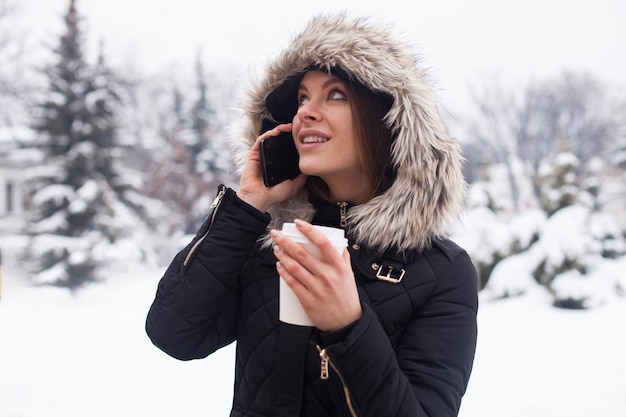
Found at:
<point>290,310</point>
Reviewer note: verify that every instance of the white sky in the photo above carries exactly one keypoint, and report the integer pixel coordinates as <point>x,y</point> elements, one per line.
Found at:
<point>462,41</point>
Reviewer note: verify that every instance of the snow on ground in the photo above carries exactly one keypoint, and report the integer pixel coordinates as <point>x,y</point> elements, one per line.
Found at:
<point>88,355</point>
<point>536,360</point>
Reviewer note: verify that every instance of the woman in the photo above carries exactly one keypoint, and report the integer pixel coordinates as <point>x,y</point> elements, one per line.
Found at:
<point>395,314</point>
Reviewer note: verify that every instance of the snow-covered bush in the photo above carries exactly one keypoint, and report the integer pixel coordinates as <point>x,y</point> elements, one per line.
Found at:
<point>490,237</point>
<point>571,258</point>
<point>560,184</point>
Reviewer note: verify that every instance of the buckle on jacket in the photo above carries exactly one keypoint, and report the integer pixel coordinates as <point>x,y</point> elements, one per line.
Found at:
<point>393,275</point>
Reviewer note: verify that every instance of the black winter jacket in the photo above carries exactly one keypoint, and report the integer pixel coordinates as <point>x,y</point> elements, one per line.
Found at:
<point>410,354</point>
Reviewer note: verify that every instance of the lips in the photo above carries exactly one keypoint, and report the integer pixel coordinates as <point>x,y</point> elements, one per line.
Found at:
<point>312,136</point>
<point>314,139</point>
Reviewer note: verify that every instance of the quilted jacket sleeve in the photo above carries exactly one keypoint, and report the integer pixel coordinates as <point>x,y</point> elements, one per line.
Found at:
<point>429,371</point>
<point>195,308</point>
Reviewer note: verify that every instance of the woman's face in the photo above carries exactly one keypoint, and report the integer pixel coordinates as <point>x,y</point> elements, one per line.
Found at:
<point>323,129</point>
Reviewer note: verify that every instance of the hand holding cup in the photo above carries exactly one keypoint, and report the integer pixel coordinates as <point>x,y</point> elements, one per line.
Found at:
<point>314,266</point>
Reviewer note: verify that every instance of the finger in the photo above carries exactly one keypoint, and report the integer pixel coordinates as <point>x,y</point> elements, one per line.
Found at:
<point>292,268</point>
<point>304,266</point>
<point>346,256</point>
<point>256,152</point>
<point>285,127</point>
<point>285,246</point>
<point>308,268</point>
<point>328,250</point>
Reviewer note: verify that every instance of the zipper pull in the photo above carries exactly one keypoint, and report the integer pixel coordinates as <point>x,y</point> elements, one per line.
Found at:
<point>343,208</point>
<point>219,197</point>
<point>324,364</point>
<point>216,202</point>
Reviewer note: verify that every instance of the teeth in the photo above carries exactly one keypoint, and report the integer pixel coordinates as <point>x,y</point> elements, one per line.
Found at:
<point>314,139</point>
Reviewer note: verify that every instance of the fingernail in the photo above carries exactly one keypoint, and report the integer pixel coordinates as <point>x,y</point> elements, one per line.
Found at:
<point>276,248</point>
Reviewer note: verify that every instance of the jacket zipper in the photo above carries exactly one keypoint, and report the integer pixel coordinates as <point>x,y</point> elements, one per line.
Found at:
<point>214,207</point>
<point>325,374</point>
<point>343,208</point>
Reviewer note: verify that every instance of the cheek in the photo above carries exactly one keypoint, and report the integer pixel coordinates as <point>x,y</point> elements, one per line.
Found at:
<point>295,129</point>
<point>295,126</point>
<point>347,138</point>
<point>295,120</point>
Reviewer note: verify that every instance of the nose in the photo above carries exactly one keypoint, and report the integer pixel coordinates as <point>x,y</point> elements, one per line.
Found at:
<point>308,112</point>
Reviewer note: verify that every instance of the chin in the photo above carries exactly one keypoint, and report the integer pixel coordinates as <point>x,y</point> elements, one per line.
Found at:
<point>310,169</point>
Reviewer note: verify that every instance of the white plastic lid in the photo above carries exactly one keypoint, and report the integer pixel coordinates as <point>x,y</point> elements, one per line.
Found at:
<point>335,235</point>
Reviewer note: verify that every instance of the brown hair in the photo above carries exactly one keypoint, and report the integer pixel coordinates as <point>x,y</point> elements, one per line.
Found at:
<point>374,141</point>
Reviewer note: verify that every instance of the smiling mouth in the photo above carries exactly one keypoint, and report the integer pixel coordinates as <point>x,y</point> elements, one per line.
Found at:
<point>314,139</point>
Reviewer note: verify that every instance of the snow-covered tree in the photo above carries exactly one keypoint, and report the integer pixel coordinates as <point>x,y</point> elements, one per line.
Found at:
<point>73,196</point>
<point>563,183</point>
<point>193,158</point>
<point>110,93</point>
<point>569,261</point>
<point>15,88</point>
<point>532,126</point>
<point>171,178</point>
<point>566,249</point>
<point>560,184</point>
<point>490,234</point>
<point>211,156</point>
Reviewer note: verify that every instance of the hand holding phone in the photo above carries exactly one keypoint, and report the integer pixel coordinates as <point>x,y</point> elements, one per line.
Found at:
<point>279,159</point>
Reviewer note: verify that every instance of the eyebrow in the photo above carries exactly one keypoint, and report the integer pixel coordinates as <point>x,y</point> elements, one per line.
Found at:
<point>332,80</point>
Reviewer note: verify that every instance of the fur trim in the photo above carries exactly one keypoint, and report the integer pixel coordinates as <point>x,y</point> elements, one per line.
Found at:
<point>426,197</point>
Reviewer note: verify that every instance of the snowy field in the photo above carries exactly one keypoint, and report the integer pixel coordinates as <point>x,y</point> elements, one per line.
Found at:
<point>88,356</point>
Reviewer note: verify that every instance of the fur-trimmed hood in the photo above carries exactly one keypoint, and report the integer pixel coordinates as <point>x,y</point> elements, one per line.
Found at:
<point>426,197</point>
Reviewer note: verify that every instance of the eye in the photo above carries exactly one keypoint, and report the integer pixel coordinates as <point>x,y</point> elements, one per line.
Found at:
<point>302,99</point>
<point>336,95</point>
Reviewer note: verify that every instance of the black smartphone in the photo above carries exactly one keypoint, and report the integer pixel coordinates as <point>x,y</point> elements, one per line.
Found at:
<point>279,159</point>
